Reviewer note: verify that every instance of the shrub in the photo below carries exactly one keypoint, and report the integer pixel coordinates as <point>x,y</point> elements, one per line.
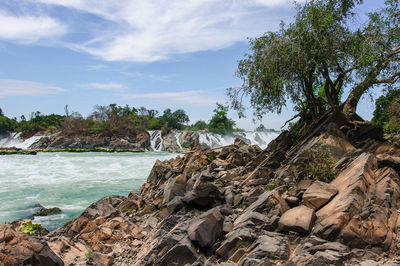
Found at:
<point>30,228</point>
<point>320,165</point>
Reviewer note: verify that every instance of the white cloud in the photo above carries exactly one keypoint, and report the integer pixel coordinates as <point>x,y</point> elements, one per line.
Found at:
<point>29,29</point>
<point>153,30</point>
<point>194,97</point>
<point>26,88</point>
<point>107,86</point>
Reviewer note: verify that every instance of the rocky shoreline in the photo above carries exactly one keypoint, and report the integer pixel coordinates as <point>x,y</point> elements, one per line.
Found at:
<point>331,197</point>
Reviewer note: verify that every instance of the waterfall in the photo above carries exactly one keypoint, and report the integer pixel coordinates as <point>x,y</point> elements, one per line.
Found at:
<point>177,136</point>
<point>156,141</point>
<point>14,140</point>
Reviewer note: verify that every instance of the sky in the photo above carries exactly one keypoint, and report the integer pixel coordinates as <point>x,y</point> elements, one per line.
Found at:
<point>178,54</point>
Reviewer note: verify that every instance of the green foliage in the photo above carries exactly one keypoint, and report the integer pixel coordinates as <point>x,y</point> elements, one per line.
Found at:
<point>393,124</point>
<point>320,166</point>
<point>271,186</point>
<point>199,125</point>
<point>382,105</point>
<point>39,122</point>
<point>7,125</point>
<point>89,254</point>
<point>30,228</point>
<point>311,60</point>
<point>220,123</point>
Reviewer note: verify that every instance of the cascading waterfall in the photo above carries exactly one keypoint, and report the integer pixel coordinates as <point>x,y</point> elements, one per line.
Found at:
<point>154,136</point>
<point>177,136</point>
<point>14,140</point>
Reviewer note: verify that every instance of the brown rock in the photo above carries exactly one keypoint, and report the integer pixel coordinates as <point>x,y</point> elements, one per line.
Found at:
<point>318,194</point>
<point>300,219</point>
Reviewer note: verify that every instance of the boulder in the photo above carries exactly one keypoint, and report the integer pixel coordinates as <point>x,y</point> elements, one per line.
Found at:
<point>318,194</point>
<point>207,228</point>
<point>100,259</point>
<point>105,207</point>
<point>17,248</point>
<point>300,219</point>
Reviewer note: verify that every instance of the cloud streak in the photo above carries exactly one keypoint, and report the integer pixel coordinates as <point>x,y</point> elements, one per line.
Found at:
<point>10,87</point>
<point>107,86</point>
<point>193,97</point>
<point>151,30</point>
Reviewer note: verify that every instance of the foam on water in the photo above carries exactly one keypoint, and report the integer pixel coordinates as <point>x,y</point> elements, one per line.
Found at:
<point>70,181</point>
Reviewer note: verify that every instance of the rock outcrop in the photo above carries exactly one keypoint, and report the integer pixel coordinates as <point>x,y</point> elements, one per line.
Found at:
<point>240,205</point>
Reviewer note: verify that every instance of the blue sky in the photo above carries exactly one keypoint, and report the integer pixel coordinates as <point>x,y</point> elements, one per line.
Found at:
<point>158,54</point>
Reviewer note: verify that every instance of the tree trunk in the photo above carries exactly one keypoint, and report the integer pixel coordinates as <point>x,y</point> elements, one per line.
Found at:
<point>350,105</point>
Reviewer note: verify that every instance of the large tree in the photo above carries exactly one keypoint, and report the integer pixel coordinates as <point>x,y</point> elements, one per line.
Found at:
<point>311,60</point>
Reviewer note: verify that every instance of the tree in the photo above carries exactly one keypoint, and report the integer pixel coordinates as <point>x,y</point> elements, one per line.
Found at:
<point>220,123</point>
<point>320,52</point>
<point>382,105</point>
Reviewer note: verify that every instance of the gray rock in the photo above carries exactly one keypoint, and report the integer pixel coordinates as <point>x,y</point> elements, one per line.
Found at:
<point>207,228</point>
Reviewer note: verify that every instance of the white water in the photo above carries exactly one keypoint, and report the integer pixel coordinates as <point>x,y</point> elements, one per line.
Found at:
<point>70,181</point>
<point>14,140</point>
<point>205,138</point>
<point>213,140</point>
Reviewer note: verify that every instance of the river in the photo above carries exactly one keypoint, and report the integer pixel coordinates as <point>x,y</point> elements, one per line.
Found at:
<point>70,181</point>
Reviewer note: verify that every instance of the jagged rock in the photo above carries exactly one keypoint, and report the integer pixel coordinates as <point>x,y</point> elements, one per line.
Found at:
<point>299,219</point>
<point>390,161</point>
<point>203,195</point>
<point>180,254</point>
<point>240,238</point>
<point>268,209</point>
<point>361,214</point>
<point>105,207</point>
<point>318,194</point>
<point>17,248</point>
<point>207,228</point>
<point>175,187</point>
<point>270,245</point>
<point>47,211</point>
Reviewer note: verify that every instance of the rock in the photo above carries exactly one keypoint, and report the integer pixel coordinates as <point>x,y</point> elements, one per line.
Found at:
<point>270,245</point>
<point>180,254</point>
<point>17,248</point>
<point>47,211</point>
<point>390,161</point>
<point>105,207</point>
<point>318,194</point>
<point>203,195</point>
<point>188,137</point>
<point>240,238</point>
<point>174,187</point>
<point>207,228</point>
<point>268,209</point>
<point>300,219</point>
<point>100,259</point>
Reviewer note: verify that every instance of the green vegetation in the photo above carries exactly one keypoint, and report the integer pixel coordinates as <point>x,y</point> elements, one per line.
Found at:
<point>30,228</point>
<point>271,186</point>
<point>12,151</point>
<point>115,121</point>
<point>320,166</point>
<point>387,111</point>
<point>89,254</point>
<point>311,60</point>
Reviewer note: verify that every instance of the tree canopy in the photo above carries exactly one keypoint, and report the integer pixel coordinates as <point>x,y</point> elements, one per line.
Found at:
<point>311,60</point>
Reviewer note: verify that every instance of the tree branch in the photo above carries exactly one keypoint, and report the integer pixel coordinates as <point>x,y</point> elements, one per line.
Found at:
<point>392,79</point>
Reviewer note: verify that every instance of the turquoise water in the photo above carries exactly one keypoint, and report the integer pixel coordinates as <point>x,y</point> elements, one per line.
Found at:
<point>70,181</point>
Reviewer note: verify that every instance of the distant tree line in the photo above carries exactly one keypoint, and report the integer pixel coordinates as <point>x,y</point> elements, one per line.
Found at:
<point>115,121</point>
